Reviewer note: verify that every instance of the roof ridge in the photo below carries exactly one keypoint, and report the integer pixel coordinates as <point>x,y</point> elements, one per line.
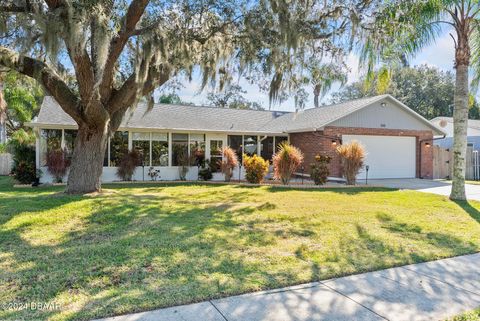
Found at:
<point>215,107</point>
<point>349,101</point>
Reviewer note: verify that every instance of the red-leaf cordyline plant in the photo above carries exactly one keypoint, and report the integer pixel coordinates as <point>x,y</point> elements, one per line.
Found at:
<point>57,164</point>
<point>228,163</point>
<point>286,161</point>
<point>352,156</point>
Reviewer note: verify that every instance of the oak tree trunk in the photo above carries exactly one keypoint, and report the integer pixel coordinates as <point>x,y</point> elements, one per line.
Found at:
<point>460,124</point>
<point>87,161</point>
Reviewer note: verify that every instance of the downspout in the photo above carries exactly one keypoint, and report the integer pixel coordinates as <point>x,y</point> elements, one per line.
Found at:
<point>420,154</point>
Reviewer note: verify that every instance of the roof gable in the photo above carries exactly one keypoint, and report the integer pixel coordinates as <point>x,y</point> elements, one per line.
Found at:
<point>388,113</point>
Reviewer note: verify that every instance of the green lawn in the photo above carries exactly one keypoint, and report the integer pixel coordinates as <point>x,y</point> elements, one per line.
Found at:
<point>469,316</point>
<point>140,247</point>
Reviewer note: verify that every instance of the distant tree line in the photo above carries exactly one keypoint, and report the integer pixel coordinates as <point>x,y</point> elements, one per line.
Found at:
<point>427,90</point>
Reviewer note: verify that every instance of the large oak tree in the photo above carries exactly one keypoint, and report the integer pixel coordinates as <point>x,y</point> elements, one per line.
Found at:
<point>99,58</point>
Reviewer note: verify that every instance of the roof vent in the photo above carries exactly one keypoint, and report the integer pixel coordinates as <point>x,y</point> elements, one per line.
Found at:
<point>277,113</point>
<point>443,123</point>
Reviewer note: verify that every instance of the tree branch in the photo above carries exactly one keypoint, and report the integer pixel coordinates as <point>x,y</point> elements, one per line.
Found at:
<point>44,75</point>
<point>84,73</point>
<point>134,13</point>
<point>125,96</point>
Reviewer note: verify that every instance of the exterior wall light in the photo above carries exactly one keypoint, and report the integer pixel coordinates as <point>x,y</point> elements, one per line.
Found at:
<point>383,104</point>
<point>334,142</point>
<point>427,145</point>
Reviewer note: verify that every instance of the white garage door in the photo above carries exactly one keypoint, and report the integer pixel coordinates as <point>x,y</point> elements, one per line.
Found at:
<point>387,156</point>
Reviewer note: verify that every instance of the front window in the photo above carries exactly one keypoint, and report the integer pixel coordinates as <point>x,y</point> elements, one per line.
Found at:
<point>279,140</point>
<point>250,145</point>
<point>197,148</point>
<point>141,143</point>
<point>235,143</point>
<point>69,136</point>
<point>216,154</point>
<point>180,149</point>
<point>118,147</point>
<point>50,140</point>
<point>159,149</point>
<point>266,148</point>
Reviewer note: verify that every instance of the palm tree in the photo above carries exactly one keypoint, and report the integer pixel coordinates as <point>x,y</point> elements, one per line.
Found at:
<point>403,28</point>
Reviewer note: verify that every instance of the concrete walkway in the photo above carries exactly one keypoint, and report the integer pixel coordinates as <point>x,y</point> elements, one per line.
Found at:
<point>439,187</point>
<point>428,291</point>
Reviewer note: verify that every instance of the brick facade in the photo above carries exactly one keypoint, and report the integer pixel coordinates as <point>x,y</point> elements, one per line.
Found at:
<point>320,142</point>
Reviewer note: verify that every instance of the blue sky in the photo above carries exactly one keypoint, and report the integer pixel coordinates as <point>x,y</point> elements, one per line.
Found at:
<point>439,54</point>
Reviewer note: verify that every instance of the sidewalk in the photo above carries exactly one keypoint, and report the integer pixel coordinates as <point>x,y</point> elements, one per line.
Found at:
<point>427,291</point>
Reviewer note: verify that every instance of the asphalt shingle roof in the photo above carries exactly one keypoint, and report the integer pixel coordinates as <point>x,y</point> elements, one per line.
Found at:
<point>317,117</point>
<point>179,117</point>
<point>184,117</point>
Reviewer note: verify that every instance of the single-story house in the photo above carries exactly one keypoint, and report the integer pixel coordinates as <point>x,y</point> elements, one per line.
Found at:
<point>396,138</point>
<point>446,124</point>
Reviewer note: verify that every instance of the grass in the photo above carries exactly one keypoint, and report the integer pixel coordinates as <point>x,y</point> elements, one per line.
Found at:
<point>141,247</point>
<point>469,316</point>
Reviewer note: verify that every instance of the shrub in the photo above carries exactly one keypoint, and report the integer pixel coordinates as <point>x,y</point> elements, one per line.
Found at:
<point>22,148</point>
<point>319,170</point>
<point>255,168</point>
<point>127,165</point>
<point>3,148</point>
<point>286,162</point>
<point>229,162</point>
<point>214,165</point>
<point>57,164</point>
<point>153,173</point>
<point>352,156</point>
<point>198,157</point>
<point>205,173</point>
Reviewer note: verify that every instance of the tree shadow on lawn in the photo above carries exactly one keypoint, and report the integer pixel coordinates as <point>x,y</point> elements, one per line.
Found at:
<point>139,252</point>
<point>468,208</point>
<point>365,251</point>
<point>340,190</point>
<point>127,247</point>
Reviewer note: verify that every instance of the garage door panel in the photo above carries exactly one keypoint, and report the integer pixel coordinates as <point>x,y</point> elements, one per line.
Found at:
<point>387,156</point>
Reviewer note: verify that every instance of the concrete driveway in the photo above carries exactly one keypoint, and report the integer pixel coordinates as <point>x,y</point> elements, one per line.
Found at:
<point>439,187</point>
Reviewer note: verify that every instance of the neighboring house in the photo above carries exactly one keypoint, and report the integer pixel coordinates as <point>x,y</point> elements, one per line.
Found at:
<point>446,124</point>
<point>397,139</point>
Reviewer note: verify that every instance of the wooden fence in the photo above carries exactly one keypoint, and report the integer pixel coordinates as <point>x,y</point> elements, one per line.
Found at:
<point>6,163</point>
<point>443,161</point>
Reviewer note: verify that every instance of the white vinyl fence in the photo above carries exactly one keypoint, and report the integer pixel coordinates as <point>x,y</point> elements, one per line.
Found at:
<point>476,165</point>
<point>6,163</point>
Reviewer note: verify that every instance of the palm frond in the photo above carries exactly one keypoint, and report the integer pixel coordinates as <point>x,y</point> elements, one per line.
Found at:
<point>400,30</point>
<point>475,59</point>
